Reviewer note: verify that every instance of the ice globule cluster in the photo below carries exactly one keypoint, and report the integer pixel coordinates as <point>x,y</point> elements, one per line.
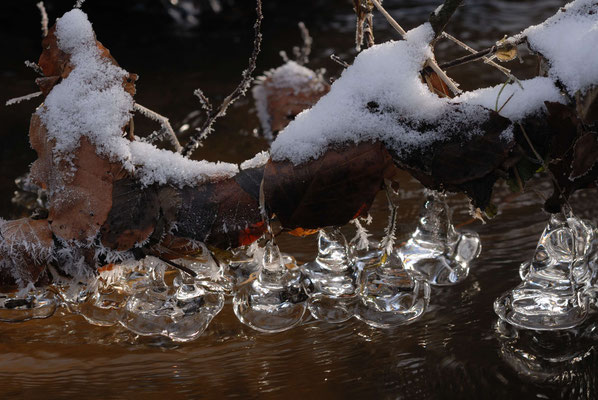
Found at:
<point>389,294</point>
<point>150,299</point>
<point>333,284</point>
<point>273,298</point>
<point>435,249</point>
<point>559,282</point>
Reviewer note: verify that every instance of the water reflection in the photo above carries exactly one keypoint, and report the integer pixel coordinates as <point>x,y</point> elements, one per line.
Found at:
<point>564,359</point>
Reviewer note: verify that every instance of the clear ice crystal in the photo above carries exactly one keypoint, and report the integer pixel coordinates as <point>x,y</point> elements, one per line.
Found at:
<point>556,282</point>
<point>435,249</point>
<point>275,300</point>
<point>332,279</point>
<point>38,303</point>
<point>389,294</point>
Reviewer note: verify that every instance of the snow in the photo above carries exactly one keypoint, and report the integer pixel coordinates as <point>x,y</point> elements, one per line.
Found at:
<point>92,102</point>
<point>295,76</point>
<point>257,161</point>
<point>568,40</point>
<point>380,97</point>
<point>525,102</point>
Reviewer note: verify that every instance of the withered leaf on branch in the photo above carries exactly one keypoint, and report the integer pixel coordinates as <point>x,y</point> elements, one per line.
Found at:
<point>332,190</point>
<point>133,216</point>
<point>223,214</point>
<point>573,155</point>
<point>460,163</point>
<point>26,248</point>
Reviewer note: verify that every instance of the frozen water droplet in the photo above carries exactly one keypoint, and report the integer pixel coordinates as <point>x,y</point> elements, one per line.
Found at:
<point>553,294</point>
<point>275,301</point>
<point>435,250</point>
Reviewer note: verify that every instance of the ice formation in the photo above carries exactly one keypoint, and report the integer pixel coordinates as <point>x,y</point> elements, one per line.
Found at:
<point>92,102</point>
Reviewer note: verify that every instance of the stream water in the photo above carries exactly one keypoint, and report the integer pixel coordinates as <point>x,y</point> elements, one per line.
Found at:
<point>454,351</point>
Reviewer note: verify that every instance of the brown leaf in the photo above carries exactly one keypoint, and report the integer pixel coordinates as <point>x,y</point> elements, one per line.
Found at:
<point>133,216</point>
<point>460,163</point>
<point>284,103</point>
<point>26,247</point>
<point>585,155</point>
<point>328,191</point>
<point>223,214</point>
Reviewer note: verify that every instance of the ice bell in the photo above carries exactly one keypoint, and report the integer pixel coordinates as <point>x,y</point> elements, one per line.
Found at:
<point>389,294</point>
<point>275,300</point>
<point>181,310</point>
<point>435,249</point>
<point>553,294</point>
<point>333,278</point>
<point>18,307</point>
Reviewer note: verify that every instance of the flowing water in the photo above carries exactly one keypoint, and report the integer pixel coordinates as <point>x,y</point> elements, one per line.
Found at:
<point>455,350</point>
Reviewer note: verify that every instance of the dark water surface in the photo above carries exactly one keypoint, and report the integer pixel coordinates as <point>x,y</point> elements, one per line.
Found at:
<point>453,351</point>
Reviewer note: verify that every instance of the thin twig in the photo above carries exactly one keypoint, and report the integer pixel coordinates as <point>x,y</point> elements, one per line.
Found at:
<point>390,19</point>
<point>163,121</point>
<point>34,67</point>
<point>247,78</point>
<point>430,62</point>
<point>487,60</point>
<point>302,53</point>
<point>44,15</point>
<point>338,60</point>
<point>17,100</point>
<point>442,75</point>
<point>178,266</point>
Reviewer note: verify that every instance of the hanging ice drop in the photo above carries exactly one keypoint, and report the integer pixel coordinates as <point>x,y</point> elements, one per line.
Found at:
<point>436,250</point>
<point>333,279</point>
<point>275,300</point>
<point>553,294</point>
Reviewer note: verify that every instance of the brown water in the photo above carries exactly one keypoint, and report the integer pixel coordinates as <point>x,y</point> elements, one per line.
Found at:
<point>453,351</point>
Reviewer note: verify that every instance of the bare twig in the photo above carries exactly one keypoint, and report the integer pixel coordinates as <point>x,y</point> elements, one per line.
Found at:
<point>163,121</point>
<point>179,266</point>
<point>430,62</point>
<point>302,53</point>
<point>17,100</point>
<point>389,18</point>
<point>338,60</point>
<point>240,90</point>
<point>544,165</point>
<point>34,67</point>
<point>442,75</point>
<point>44,15</point>
<point>487,60</point>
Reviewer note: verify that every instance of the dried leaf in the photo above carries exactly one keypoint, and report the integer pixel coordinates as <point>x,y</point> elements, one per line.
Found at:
<point>26,247</point>
<point>133,216</point>
<point>328,191</point>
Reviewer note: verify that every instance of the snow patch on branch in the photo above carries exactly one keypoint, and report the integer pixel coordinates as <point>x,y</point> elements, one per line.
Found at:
<point>259,160</point>
<point>569,41</point>
<point>523,102</point>
<point>92,102</point>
